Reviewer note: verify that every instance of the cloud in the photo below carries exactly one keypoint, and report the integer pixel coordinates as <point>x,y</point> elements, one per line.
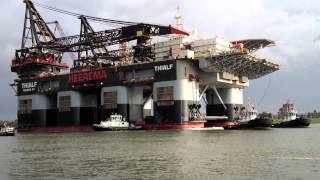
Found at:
<point>294,32</point>
<point>292,25</point>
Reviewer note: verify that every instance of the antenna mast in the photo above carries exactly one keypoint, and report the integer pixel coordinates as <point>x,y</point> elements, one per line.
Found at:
<point>178,18</point>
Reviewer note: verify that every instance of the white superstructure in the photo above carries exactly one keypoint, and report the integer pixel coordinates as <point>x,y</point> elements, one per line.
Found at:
<point>115,121</point>
<point>210,47</point>
<point>7,131</point>
<point>191,48</point>
<point>249,113</point>
<point>174,48</point>
<point>287,112</point>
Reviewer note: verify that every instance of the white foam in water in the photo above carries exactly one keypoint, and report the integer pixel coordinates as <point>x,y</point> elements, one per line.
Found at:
<point>207,129</point>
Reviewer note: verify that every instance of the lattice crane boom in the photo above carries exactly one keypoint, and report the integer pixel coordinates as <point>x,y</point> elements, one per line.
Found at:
<point>45,50</point>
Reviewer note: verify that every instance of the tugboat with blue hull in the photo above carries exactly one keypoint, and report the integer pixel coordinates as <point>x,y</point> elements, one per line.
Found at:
<point>249,118</point>
<point>115,123</point>
<point>288,117</point>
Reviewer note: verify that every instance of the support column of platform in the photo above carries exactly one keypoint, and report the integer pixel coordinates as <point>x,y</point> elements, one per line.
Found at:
<point>185,93</point>
<point>89,108</point>
<point>82,109</point>
<point>135,95</point>
<point>129,103</point>
<point>70,115</point>
<point>121,105</point>
<point>231,98</point>
<point>148,108</point>
<point>42,113</point>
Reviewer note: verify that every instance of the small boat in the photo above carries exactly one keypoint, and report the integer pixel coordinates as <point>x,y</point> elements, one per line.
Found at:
<point>249,118</point>
<point>7,131</point>
<point>115,123</point>
<point>288,117</point>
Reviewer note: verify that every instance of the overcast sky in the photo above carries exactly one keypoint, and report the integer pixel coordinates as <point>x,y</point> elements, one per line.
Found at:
<point>292,24</point>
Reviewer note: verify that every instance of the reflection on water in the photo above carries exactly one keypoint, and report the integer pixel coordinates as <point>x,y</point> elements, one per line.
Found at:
<point>174,154</point>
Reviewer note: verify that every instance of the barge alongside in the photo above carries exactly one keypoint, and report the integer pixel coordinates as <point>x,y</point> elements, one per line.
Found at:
<point>159,85</point>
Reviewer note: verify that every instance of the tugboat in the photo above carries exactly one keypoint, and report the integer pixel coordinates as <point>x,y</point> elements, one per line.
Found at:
<point>7,131</point>
<point>287,116</point>
<point>249,118</point>
<point>115,123</point>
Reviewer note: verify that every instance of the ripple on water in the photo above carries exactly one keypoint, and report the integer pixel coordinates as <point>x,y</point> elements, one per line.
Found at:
<point>272,154</point>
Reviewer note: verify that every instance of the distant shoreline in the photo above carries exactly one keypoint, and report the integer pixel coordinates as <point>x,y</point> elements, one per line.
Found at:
<point>315,120</point>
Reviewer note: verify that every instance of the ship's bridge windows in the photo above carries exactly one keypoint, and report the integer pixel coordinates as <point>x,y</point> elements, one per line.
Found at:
<point>64,103</point>
<point>110,100</point>
<point>25,106</point>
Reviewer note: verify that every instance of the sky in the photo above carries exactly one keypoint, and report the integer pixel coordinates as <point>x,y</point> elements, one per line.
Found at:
<point>293,25</point>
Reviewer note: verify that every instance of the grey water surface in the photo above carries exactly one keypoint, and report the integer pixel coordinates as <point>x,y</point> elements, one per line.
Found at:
<point>163,154</point>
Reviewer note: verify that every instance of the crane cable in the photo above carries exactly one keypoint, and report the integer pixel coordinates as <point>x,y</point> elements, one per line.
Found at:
<point>111,21</point>
<point>265,91</point>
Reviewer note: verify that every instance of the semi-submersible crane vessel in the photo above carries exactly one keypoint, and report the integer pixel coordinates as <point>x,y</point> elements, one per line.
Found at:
<point>157,85</point>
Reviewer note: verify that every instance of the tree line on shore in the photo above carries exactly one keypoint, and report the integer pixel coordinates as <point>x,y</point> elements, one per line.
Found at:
<point>8,123</point>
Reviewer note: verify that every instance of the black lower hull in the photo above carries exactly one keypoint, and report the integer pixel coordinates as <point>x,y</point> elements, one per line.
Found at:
<point>256,123</point>
<point>110,129</point>
<point>299,122</point>
<point>7,134</point>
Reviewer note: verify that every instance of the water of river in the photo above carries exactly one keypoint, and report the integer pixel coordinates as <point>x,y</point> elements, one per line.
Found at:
<point>173,154</point>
